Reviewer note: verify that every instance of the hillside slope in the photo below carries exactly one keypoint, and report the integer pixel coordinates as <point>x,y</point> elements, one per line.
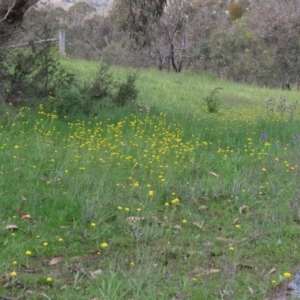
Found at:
<point>102,5</point>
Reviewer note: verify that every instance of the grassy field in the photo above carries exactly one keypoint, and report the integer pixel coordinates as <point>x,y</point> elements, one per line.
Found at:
<point>172,203</point>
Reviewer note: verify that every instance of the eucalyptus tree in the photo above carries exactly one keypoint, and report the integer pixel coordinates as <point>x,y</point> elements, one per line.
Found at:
<point>135,17</point>
<point>11,16</point>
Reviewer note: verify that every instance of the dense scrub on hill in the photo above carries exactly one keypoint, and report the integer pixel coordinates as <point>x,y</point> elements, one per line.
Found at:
<point>244,41</point>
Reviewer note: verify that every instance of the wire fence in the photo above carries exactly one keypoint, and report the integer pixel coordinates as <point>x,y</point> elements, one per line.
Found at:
<point>61,42</point>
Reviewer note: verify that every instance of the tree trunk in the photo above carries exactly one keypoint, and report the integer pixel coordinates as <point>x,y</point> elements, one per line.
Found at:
<point>11,16</point>
<point>172,58</point>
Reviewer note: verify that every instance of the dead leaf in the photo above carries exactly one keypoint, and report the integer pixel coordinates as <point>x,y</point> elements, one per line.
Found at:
<point>5,280</point>
<point>96,273</point>
<point>208,272</point>
<point>211,271</point>
<point>11,227</point>
<point>55,260</point>
<point>22,213</point>
<point>242,208</point>
<point>43,178</point>
<point>133,219</point>
<point>214,174</point>
<point>23,198</point>
<point>225,240</point>
<point>177,226</point>
<point>198,224</point>
<point>236,221</point>
<point>28,269</point>
<point>207,244</point>
<point>273,270</point>
<point>196,270</point>
<point>250,290</point>
<point>203,207</point>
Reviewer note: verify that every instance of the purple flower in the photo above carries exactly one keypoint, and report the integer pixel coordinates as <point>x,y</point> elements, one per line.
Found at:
<point>264,136</point>
<point>295,137</point>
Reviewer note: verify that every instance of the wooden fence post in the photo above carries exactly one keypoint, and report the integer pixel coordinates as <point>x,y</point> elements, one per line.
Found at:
<point>62,42</point>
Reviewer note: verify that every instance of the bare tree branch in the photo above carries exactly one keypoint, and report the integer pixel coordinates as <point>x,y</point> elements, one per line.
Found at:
<point>8,11</point>
<point>11,15</point>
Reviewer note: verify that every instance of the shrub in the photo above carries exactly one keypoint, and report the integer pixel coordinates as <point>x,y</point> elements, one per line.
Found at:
<point>126,92</point>
<point>212,101</point>
<point>102,83</point>
<point>93,95</point>
<point>66,103</point>
<point>32,73</point>
<point>48,74</point>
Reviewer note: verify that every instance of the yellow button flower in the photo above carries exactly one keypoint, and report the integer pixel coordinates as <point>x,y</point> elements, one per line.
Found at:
<point>104,245</point>
<point>13,274</point>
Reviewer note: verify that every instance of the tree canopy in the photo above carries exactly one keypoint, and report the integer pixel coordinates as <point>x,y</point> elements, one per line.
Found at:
<point>135,16</point>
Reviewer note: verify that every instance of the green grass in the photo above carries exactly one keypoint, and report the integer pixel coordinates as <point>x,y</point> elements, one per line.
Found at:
<point>192,205</point>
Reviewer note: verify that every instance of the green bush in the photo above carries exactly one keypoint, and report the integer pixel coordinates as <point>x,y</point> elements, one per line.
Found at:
<point>126,92</point>
<point>102,83</point>
<point>213,101</point>
<point>31,74</point>
<point>66,103</point>
<point>36,75</point>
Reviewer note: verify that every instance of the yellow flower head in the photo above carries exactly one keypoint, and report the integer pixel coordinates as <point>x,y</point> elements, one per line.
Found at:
<point>13,274</point>
<point>104,245</point>
<point>151,193</point>
<point>28,252</point>
<point>287,275</point>
<point>49,279</point>
<point>175,201</point>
